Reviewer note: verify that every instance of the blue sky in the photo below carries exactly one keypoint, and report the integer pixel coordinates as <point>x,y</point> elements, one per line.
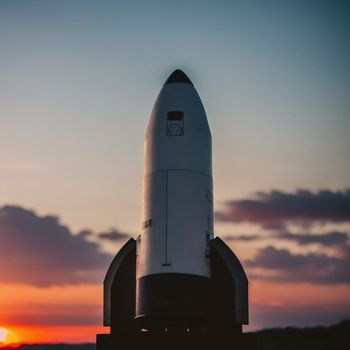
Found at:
<point>79,79</point>
<point>77,83</point>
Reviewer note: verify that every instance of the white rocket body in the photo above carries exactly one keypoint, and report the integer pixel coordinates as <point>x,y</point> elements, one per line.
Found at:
<point>176,279</point>
<point>177,205</point>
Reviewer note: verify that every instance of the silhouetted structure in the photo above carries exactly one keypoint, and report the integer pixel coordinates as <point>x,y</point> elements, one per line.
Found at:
<point>222,330</point>
<point>319,338</point>
<point>176,286</point>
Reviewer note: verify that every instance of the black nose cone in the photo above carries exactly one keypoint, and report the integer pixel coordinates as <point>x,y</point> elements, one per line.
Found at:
<point>178,76</point>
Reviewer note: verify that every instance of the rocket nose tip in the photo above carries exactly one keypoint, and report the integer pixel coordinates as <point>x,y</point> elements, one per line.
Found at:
<point>178,76</point>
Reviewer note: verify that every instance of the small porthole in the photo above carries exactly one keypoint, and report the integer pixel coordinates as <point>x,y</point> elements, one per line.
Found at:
<point>175,126</point>
<point>174,130</point>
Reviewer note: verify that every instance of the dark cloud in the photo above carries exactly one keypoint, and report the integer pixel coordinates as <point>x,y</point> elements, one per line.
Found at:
<point>326,239</point>
<point>272,210</point>
<point>243,238</point>
<point>39,250</point>
<point>86,233</point>
<point>313,268</point>
<point>114,235</point>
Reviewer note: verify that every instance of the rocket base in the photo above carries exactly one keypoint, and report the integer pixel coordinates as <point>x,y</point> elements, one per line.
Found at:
<point>227,304</point>
<point>174,342</point>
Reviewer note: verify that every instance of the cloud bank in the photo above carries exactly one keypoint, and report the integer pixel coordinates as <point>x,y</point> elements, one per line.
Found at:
<point>40,251</point>
<point>328,239</point>
<point>272,210</point>
<point>312,268</point>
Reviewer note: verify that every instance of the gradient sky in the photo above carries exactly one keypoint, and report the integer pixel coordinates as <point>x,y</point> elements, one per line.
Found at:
<point>77,83</point>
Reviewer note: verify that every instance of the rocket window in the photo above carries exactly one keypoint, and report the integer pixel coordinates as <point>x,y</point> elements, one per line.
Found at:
<point>175,116</point>
<point>175,122</point>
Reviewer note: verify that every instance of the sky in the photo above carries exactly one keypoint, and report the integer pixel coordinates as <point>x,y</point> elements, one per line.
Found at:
<point>77,83</point>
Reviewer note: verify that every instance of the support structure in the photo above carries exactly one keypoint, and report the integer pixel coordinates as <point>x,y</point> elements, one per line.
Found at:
<point>228,305</point>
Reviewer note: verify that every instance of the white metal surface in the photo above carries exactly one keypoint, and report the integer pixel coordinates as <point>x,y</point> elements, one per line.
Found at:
<point>177,206</point>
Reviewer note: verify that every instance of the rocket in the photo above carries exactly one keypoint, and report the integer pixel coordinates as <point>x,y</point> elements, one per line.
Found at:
<point>173,270</point>
<point>176,277</point>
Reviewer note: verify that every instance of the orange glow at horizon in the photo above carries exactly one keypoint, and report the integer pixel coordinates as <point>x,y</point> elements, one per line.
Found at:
<point>8,336</point>
<point>54,334</point>
<point>73,314</point>
<point>57,314</point>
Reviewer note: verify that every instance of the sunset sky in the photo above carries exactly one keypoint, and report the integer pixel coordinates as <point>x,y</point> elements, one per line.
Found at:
<point>77,83</point>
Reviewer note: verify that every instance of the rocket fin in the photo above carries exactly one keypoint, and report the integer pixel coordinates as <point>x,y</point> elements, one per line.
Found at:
<point>229,277</point>
<point>119,287</point>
